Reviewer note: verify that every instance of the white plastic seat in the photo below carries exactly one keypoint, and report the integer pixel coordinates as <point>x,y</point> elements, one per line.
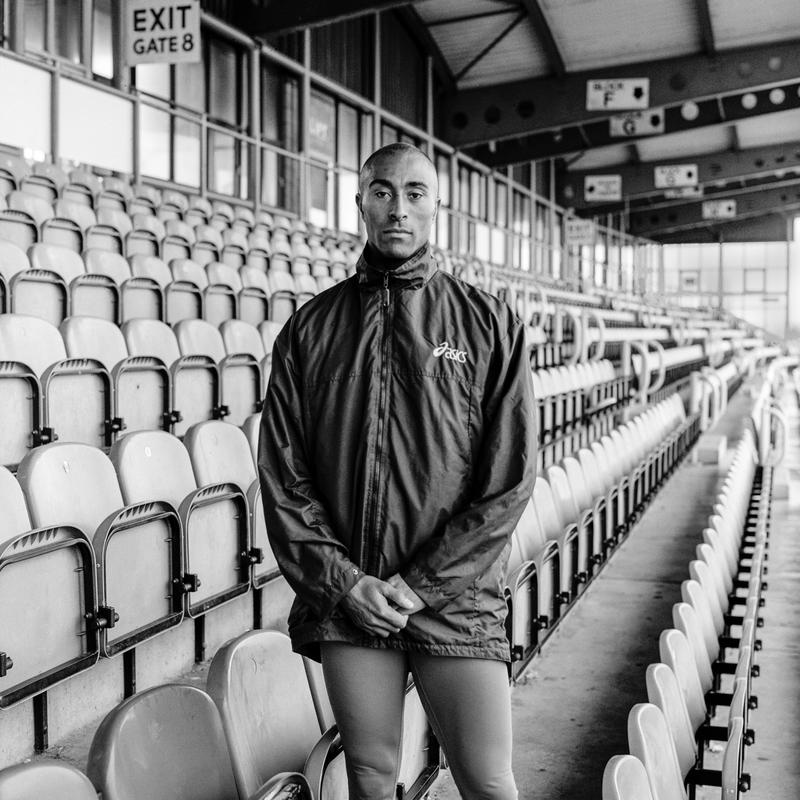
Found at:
<point>177,732</point>
<point>650,741</point>
<point>220,453</point>
<point>625,778</point>
<point>44,779</point>
<point>195,379</point>
<point>240,373</point>
<point>185,295</point>
<point>135,545</point>
<point>141,384</point>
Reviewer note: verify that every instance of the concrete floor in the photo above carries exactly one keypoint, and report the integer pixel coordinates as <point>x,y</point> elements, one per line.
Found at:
<point>570,710</point>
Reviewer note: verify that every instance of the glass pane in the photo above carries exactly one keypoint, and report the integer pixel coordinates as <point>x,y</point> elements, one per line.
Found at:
<point>154,142</point>
<point>34,20</point>
<point>190,86</point>
<point>280,177</point>
<point>102,50</point>
<point>443,229</point>
<point>153,79</point>
<point>366,136</point>
<point>222,84</point>
<point>322,127</point>
<point>318,212</point>
<point>348,211</point>
<point>27,90</point>
<point>84,137</point>
<point>186,153</point>
<point>388,135</point>
<point>280,107</point>
<point>348,137</point>
<point>443,169</point>
<point>67,23</point>
<point>221,162</point>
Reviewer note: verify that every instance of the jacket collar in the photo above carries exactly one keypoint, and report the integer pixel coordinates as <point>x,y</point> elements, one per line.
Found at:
<point>411,274</point>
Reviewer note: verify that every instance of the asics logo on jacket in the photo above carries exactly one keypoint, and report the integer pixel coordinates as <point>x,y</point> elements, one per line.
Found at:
<point>445,350</point>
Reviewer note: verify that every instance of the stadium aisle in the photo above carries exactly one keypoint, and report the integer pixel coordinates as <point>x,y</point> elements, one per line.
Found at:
<point>773,761</point>
<point>571,708</point>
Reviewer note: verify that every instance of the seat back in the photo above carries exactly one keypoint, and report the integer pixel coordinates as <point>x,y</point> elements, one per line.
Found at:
<point>69,484</point>
<point>45,780</point>
<point>261,690</point>
<point>650,741</point>
<point>625,778</point>
<point>150,337</point>
<point>92,337</point>
<point>167,741</point>
<point>676,652</point>
<point>663,691</point>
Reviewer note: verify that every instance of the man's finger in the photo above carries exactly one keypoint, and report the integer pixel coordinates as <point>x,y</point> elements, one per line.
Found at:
<point>399,597</point>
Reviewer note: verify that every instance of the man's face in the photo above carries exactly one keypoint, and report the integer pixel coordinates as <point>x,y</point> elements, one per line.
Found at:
<point>398,200</point>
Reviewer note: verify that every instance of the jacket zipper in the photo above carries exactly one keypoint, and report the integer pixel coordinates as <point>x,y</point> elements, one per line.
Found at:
<point>369,561</point>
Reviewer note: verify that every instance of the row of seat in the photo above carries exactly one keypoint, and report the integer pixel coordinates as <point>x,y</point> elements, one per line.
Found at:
<point>700,692</point>
<point>581,508</point>
<point>89,380</point>
<point>53,282</point>
<point>160,530</point>
<point>261,728</point>
<point>26,219</point>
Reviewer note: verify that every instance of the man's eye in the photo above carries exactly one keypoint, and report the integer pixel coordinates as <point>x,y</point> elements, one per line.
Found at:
<point>415,195</point>
<point>381,194</point>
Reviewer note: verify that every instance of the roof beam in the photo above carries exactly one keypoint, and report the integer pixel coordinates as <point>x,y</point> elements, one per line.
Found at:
<point>638,180</point>
<point>495,113</point>
<point>263,17</point>
<point>489,47</point>
<point>422,34</point>
<point>706,27</point>
<point>544,34</point>
<point>753,204</point>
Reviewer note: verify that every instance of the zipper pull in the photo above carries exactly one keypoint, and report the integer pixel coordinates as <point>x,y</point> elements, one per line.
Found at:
<point>385,302</point>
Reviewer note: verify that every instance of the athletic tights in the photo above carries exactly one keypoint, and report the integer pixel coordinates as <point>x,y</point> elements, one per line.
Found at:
<point>467,701</point>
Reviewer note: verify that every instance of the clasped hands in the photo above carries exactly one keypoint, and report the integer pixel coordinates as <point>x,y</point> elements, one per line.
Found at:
<point>381,607</point>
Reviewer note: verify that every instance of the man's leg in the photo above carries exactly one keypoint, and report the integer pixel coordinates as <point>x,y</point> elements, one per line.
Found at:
<point>468,703</point>
<point>366,688</point>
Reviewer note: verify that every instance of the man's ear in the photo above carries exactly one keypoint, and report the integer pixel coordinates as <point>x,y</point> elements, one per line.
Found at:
<point>436,210</point>
<point>359,206</point>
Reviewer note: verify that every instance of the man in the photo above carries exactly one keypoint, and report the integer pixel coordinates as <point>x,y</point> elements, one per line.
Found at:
<point>397,454</point>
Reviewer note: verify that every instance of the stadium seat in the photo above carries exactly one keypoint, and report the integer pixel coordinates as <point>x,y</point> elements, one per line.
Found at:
<point>239,336</point>
<point>178,239</point>
<point>39,642</point>
<point>650,741</point>
<point>136,546</point>
<point>114,193</point>
<point>144,199</point>
<point>177,733</point>
<point>13,261</point>
<point>570,513</point>
<point>254,296</point>
<point>196,385</point>
<point>261,690</point>
<point>220,453</point>
<point>566,536</point>
<point>528,611</point>
<point>12,170</point>
<point>45,780</point>
<point>240,373</point>
<point>146,235</point>
<point>625,778</point>
<point>186,293</point>
<point>81,187</point>
<point>139,296</point>
<point>90,294</point>
<point>208,244</point>
<point>155,466</point>
<point>111,231</point>
<point>142,391</point>
<point>222,293</point>
<point>18,227</point>
<point>234,248</point>
<point>75,395</point>
<point>269,330</point>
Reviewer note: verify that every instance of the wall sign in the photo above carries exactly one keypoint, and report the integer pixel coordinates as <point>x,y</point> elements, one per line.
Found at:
<point>602,188</point>
<point>617,94</point>
<point>162,32</point>
<point>669,176</point>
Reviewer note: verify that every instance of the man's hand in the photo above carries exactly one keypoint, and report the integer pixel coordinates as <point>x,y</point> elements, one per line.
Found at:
<point>370,604</point>
<point>417,603</point>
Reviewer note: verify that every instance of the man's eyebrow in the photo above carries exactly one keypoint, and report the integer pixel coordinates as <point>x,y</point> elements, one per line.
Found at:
<point>383,182</point>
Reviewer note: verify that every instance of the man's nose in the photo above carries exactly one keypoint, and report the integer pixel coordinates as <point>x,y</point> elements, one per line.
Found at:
<point>398,209</point>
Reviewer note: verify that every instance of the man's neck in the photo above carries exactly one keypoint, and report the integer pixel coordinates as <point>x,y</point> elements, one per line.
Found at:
<point>380,261</point>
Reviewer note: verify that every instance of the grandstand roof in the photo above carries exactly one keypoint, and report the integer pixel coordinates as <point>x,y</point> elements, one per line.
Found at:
<point>724,93</point>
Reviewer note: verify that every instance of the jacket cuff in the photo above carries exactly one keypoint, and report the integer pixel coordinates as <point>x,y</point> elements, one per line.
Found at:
<point>348,577</point>
<point>428,588</point>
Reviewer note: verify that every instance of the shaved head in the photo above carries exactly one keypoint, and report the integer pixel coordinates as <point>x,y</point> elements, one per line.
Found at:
<point>396,150</point>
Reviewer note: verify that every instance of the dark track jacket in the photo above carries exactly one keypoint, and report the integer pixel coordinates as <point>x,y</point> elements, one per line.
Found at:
<point>398,436</point>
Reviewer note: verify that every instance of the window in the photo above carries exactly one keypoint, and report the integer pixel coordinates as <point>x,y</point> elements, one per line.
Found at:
<point>343,52</point>
<point>102,49</point>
